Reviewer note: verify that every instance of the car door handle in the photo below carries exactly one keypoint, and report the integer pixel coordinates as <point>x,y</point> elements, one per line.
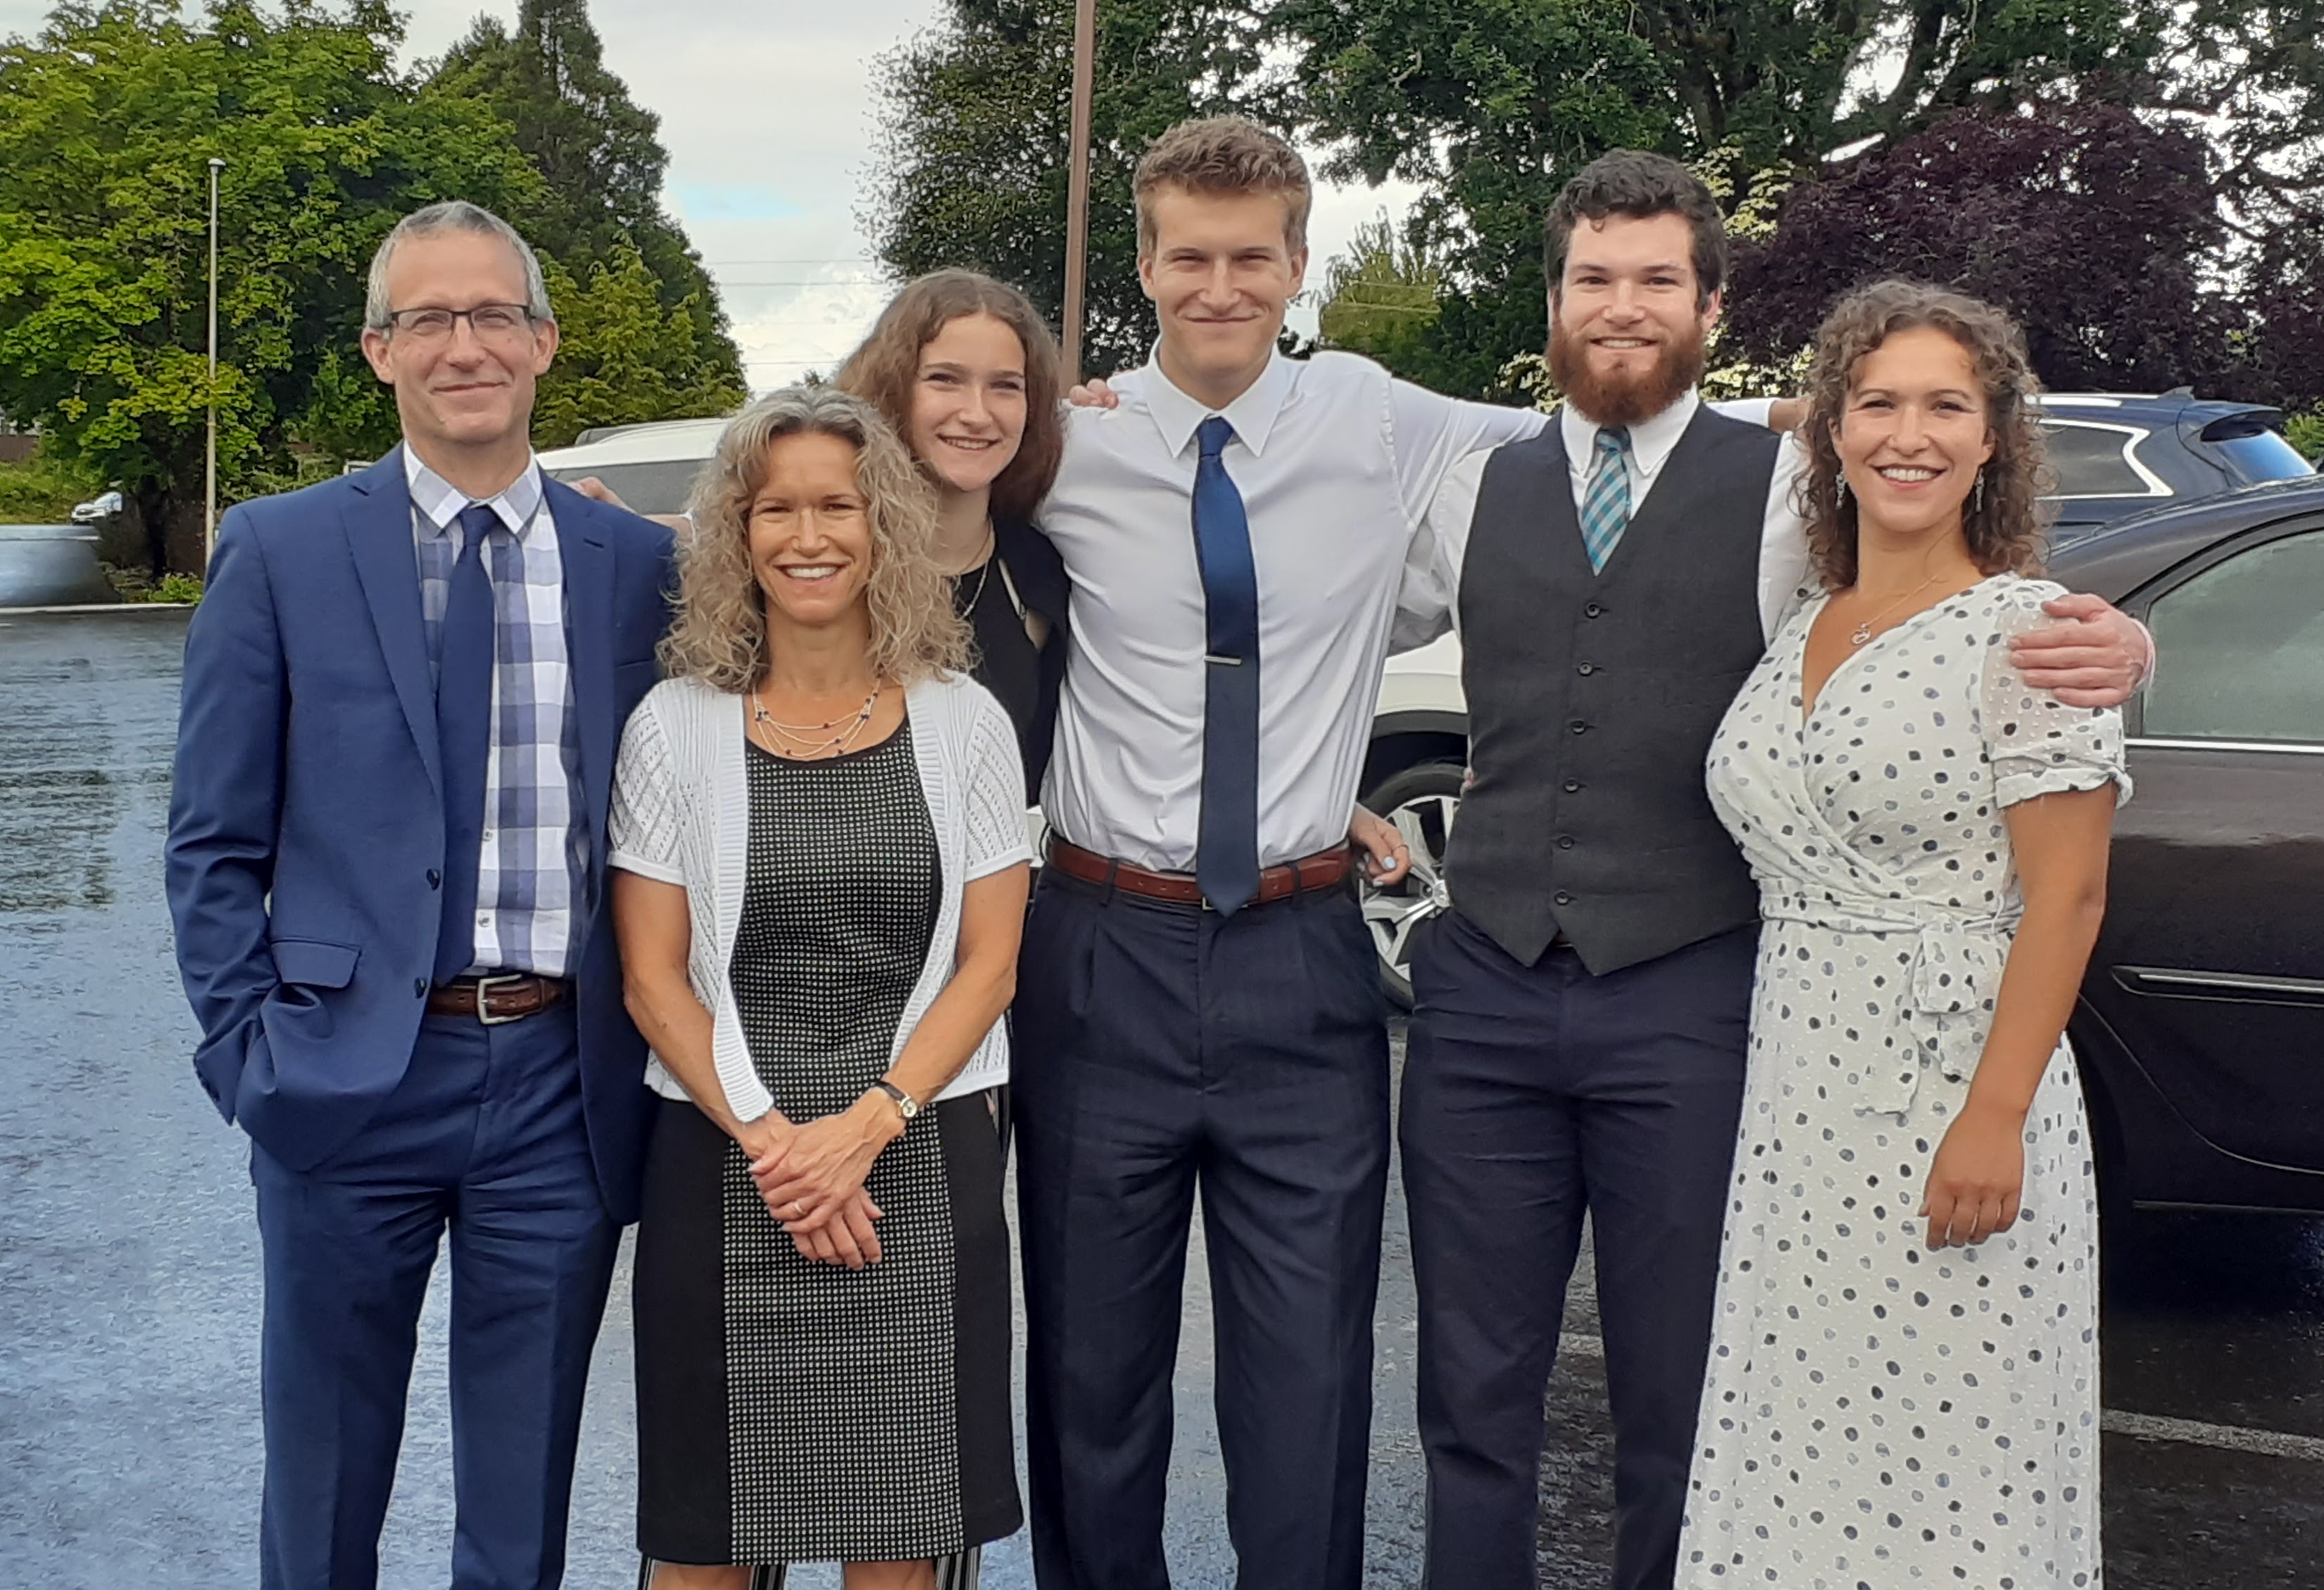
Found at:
<point>2251,987</point>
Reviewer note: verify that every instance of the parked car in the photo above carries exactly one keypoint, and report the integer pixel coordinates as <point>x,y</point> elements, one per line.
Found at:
<point>650,467</point>
<point>2200,1025</point>
<point>2118,455</point>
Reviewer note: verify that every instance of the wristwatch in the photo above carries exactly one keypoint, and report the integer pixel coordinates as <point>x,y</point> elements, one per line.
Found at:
<point>906,1105</point>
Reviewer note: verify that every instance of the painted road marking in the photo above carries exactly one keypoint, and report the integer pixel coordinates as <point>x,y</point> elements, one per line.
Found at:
<point>2145,1427</point>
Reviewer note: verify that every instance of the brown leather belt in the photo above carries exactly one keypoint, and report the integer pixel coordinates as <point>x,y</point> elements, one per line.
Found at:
<point>503,997</point>
<point>1326,869</point>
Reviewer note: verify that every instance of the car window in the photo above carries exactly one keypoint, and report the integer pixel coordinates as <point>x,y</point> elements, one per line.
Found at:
<point>2262,455</point>
<point>2090,461</point>
<point>660,487</point>
<point>2241,648</point>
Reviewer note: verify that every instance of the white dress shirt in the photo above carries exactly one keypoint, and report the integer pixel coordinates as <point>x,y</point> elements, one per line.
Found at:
<point>1337,464</point>
<point>1432,587</point>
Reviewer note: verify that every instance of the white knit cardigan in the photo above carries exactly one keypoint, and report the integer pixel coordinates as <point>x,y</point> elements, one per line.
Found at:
<point>681,814</point>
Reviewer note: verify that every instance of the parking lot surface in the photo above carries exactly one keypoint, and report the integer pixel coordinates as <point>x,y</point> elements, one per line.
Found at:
<point>129,1267</point>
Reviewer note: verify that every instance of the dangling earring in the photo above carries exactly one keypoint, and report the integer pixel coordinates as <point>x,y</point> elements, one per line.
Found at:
<point>1840,494</point>
<point>1976,497</point>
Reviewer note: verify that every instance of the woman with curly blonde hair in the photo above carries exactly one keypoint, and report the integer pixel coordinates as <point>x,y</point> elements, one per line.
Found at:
<point>818,828</point>
<point>1903,1379</point>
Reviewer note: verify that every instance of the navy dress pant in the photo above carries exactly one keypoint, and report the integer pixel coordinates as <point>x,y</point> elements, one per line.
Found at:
<point>483,1138</point>
<point>1534,1095</point>
<point>1163,1053</point>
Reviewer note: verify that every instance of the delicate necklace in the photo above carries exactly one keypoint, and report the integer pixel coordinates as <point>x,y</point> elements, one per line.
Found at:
<point>806,736</point>
<point>983,570</point>
<point>1863,631</point>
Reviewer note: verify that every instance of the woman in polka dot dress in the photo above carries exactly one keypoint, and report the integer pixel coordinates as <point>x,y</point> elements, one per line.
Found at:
<point>1904,1383</point>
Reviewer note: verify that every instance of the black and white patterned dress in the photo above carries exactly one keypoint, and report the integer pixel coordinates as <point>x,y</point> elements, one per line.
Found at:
<point>795,1412</point>
<point>1876,1413</point>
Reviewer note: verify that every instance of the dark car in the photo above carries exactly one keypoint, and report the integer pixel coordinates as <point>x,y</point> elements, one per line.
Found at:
<point>2201,1028</point>
<point>2118,454</point>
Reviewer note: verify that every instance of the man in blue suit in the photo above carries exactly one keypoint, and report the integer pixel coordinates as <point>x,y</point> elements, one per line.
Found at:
<point>403,694</point>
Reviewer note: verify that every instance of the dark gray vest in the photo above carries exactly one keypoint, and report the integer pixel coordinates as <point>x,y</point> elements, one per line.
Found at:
<point>1593,696</point>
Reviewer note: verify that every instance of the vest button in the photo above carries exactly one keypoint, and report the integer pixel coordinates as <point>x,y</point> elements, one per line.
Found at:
<point>1579,725</point>
<point>1586,669</point>
<point>435,879</point>
<point>1564,841</point>
<point>419,987</point>
<point>1590,610</point>
<point>1563,898</point>
<point>1572,785</point>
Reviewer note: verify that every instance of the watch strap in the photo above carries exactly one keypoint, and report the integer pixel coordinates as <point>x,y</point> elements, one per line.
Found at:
<point>906,1105</point>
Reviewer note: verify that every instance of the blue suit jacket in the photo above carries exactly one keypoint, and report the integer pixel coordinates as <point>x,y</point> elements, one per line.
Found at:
<point>307,821</point>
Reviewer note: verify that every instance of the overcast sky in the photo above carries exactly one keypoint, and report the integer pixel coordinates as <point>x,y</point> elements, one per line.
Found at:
<point>768,115</point>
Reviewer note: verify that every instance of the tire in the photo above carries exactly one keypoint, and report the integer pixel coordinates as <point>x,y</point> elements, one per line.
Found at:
<point>1422,800</point>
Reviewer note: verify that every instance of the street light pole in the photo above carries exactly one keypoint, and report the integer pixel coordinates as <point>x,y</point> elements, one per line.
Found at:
<point>209,472</point>
<point>1077,176</point>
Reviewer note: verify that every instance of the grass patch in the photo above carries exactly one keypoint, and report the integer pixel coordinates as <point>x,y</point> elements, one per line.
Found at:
<point>41,492</point>
<point>137,584</point>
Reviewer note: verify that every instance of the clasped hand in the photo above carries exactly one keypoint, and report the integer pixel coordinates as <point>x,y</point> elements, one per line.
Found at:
<point>811,1177</point>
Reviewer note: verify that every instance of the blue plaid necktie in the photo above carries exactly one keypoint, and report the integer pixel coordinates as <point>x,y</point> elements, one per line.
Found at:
<point>464,735</point>
<point>1226,844</point>
<point>1606,505</point>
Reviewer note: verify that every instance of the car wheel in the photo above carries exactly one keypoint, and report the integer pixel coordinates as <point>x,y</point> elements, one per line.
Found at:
<point>1420,801</point>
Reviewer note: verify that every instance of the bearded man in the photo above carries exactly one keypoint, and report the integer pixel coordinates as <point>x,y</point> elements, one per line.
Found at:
<point>1577,1043</point>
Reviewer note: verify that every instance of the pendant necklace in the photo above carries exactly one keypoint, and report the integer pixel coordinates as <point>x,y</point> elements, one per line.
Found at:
<point>983,571</point>
<point>1862,633</point>
<point>806,735</point>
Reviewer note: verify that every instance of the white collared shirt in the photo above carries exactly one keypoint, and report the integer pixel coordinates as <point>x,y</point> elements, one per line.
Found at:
<point>1337,464</point>
<point>1430,602</point>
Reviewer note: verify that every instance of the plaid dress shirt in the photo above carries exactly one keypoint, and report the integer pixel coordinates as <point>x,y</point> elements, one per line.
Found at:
<point>528,870</point>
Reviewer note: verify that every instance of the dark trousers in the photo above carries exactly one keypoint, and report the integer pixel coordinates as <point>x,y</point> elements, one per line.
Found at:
<point>1532,1095</point>
<point>483,1138</point>
<point>1161,1052</point>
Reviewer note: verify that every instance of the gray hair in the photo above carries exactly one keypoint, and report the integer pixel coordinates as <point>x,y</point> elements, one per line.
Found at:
<point>454,215</point>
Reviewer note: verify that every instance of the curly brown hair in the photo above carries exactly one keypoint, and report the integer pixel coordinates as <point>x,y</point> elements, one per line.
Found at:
<point>1223,155</point>
<point>886,368</point>
<point>2004,521</point>
<point>720,633</point>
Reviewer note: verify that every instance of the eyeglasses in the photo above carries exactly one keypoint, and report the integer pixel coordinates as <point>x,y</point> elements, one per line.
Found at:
<point>490,322</point>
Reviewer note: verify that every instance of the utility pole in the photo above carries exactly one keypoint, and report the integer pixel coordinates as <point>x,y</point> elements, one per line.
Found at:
<point>1077,182</point>
<point>210,471</point>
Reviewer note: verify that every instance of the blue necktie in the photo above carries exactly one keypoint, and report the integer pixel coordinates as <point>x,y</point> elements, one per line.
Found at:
<point>1605,502</point>
<point>1226,845</point>
<point>464,735</point>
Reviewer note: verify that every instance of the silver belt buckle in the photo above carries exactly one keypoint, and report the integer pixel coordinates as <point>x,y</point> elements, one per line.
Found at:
<point>484,1000</point>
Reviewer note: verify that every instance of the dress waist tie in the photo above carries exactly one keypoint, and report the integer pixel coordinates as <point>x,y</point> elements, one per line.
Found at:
<point>1954,978</point>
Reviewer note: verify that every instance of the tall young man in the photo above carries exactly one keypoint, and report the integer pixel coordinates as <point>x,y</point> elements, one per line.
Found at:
<point>1578,1040</point>
<point>1197,1010</point>
<point>404,694</point>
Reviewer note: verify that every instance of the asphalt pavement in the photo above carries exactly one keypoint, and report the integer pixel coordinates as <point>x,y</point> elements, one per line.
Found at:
<point>129,1276</point>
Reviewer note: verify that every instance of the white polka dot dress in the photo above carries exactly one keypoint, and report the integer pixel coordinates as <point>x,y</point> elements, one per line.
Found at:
<point>1876,1414</point>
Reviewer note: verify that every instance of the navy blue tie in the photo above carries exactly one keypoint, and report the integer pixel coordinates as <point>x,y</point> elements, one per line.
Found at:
<point>463,734</point>
<point>1226,845</point>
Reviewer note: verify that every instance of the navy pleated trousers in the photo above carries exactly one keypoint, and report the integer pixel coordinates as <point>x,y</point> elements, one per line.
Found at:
<point>1164,1053</point>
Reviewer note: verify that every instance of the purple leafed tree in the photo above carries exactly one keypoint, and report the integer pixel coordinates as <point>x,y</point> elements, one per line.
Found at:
<point>2091,226</point>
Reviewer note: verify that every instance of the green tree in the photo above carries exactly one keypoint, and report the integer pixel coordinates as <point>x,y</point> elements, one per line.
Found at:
<point>106,118</point>
<point>1380,298</point>
<point>601,160</point>
<point>625,356</point>
<point>971,170</point>
<point>1491,105</point>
